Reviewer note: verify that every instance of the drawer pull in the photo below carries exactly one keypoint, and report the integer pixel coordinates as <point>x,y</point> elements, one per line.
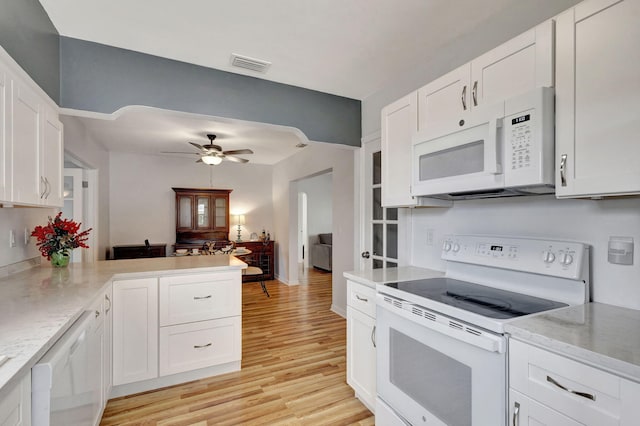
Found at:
<point>363,299</point>
<point>202,346</point>
<point>582,394</point>
<point>201,297</point>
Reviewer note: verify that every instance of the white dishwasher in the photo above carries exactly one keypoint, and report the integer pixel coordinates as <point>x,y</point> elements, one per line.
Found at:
<point>66,383</point>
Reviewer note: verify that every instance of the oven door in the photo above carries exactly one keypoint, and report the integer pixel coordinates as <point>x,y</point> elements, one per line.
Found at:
<point>464,161</point>
<point>432,378</point>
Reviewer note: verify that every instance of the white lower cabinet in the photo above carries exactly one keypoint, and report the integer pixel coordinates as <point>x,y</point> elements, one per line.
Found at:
<point>361,350</point>
<point>175,324</point>
<point>550,389</point>
<point>15,407</point>
<point>107,367</point>
<point>135,330</point>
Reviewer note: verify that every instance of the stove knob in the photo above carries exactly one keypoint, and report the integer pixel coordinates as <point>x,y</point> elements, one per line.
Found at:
<point>567,259</point>
<point>548,257</point>
<point>456,247</point>
<point>446,246</point>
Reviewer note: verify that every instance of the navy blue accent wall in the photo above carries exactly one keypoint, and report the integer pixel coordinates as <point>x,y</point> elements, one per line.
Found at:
<point>28,35</point>
<point>104,79</point>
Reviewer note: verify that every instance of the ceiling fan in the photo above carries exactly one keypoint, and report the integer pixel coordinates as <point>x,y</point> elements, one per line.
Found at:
<point>213,154</point>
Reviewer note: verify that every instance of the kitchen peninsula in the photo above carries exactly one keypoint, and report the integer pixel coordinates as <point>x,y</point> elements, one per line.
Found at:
<point>39,305</point>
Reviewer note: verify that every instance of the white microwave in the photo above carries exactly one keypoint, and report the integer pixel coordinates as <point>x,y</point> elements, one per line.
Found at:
<point>506,150</point>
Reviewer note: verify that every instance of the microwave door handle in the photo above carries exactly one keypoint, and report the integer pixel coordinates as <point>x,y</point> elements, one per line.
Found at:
<point>491,151</point>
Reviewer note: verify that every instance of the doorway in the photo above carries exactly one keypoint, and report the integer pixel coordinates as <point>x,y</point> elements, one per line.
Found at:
<point>80,204</point>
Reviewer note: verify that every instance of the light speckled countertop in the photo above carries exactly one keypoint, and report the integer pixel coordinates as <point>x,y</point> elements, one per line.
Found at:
<point>380,276</point>
<point>37,306</point>
<point>601,335</point>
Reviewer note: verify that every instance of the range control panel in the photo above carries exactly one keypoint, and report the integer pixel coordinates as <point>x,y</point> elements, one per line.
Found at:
<point>548,257</point>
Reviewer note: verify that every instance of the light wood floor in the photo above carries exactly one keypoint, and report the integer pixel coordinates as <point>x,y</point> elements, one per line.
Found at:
<point>293,369</point>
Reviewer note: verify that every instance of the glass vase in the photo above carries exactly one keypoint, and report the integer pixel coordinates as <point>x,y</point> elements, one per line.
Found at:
<point>60,259</point>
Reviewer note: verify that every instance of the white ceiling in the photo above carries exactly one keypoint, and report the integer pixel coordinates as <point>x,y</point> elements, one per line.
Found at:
<point>345,47</point>
<point>145,130</point>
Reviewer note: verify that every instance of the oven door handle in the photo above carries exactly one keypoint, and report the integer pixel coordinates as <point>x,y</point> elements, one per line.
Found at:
<point>492,148</point>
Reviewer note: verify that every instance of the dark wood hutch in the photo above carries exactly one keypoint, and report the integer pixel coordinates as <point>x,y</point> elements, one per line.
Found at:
<point>201,215</point>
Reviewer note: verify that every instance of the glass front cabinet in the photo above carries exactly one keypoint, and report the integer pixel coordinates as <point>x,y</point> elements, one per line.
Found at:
<point>201,215</point>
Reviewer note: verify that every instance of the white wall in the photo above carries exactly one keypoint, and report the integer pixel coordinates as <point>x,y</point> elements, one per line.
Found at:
<point>316,158</point>
<point>588,221</point>
<point>319,206</point>
<point>83,147</point>
<point>142,202</point>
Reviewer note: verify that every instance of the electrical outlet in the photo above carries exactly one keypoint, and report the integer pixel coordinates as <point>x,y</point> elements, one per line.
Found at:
<point>430,236</point>
<point>12,238</point>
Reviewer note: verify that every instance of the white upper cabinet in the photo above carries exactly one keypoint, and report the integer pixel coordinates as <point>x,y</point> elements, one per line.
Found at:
<point>519,65</point>
<point>28,186</point>
<point>597,99</point>
<point>31,140</point>
<point>399,123</point>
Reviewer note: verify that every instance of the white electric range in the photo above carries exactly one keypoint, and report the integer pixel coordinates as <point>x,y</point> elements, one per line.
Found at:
<point>440,342</point>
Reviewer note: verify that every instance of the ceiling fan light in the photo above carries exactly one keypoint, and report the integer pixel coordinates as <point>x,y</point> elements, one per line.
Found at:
<point>212,160</point>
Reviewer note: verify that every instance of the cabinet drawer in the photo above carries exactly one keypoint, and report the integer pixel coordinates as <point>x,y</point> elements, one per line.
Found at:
<point>605,399</point>
<point>524,411</point>
<point>197,345</point>
<point>191,298</point>
<point>362,298</point>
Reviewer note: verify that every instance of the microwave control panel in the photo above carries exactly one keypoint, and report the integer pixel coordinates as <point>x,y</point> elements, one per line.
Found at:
<point>528,139</point>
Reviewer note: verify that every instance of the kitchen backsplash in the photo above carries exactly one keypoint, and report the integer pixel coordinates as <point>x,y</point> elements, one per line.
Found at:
<point>588,221</point>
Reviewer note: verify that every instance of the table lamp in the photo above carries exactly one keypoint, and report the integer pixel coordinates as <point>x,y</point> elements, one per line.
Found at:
<point>239,222</point>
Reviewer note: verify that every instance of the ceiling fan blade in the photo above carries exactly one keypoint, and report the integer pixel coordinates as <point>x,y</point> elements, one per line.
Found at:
<point>179,152</point>
<point>212,148</point>
<point>238,151</point>
<point>200,147</point>
<point>235,159</point>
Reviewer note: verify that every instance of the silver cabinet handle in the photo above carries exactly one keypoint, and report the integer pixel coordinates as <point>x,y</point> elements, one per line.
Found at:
<point>474,93</point>
<point>97,314</point>
<point>373,336</point>
<point>464,97</point>
<point>563,170</point>
<point>45,187</point>
<point>48,188</point>
<point>106,297</point>
<point>516,414</point>
<point>364,299</point>
<point>202,346</point>
<point>564,388</point>
<point>201,297</point>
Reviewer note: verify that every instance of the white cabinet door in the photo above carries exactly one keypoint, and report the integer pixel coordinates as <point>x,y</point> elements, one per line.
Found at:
<point>27,183</point>
<point>443,104</point>
<point>15,407</point>
<point>108,343</point>
<point>515,67</point>
<point>525,411</point>
<point>135,330</point>
<point>597,98</point>
<point>96,360</point>
<point>52,158</point>
<point>361,356</point>
<point>399,124</point>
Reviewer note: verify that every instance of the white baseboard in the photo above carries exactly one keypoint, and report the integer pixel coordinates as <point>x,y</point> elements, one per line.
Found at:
<point>337,310</point>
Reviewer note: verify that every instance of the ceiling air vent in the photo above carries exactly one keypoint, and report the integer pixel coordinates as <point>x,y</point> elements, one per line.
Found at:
<point>249,63</point>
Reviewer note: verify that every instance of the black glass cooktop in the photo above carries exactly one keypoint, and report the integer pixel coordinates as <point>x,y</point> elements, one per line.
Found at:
<point>476,298</point>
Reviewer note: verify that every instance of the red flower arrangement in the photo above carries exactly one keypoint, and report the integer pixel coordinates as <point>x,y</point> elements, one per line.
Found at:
<point>59,236</point>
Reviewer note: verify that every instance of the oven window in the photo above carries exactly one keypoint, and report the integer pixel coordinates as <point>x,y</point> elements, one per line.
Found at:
<point>437,382</point>
<point>456,161</point>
